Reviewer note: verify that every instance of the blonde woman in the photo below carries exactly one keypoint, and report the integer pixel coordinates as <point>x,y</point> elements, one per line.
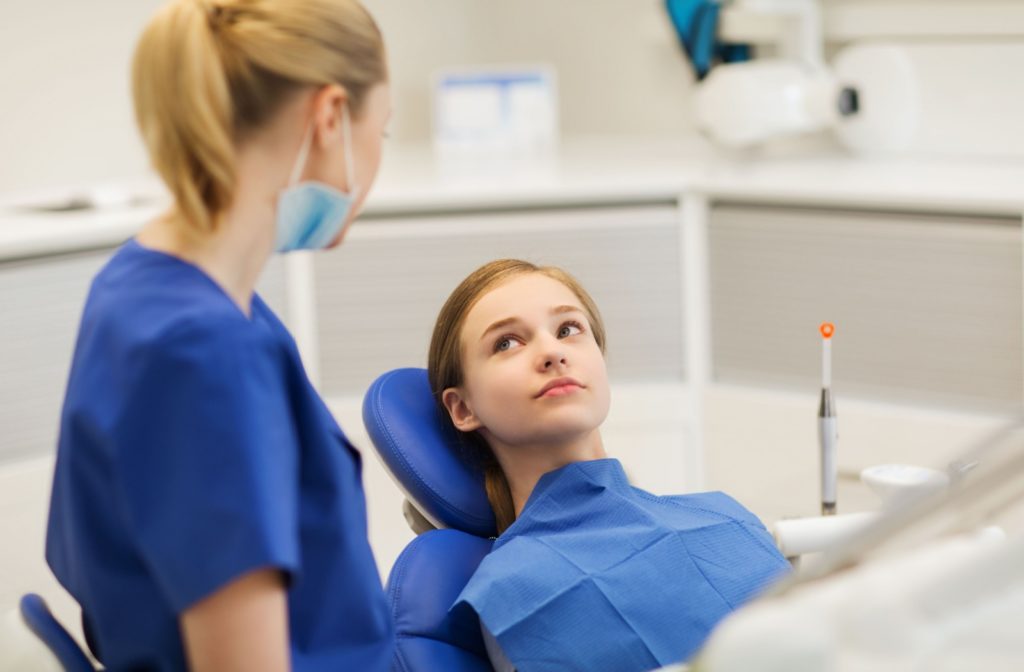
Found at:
<point>588,572</point>
<point>207,512</point>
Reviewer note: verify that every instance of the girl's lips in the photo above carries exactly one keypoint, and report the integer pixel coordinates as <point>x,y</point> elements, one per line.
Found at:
<point>559,387</point>
<point>561,390</point>
<point>565,381</point>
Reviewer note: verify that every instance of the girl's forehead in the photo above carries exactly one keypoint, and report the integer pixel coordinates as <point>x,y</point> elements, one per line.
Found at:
<point>522,297</point>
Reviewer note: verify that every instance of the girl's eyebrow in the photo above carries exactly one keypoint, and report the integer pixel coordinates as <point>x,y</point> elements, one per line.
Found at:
<point>498,325</point>
<point>557,310</point>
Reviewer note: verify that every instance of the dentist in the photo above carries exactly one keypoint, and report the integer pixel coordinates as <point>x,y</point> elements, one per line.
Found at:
<point>207,512</point>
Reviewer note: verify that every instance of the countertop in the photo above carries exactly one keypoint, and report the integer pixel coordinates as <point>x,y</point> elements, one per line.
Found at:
<point>583,172</point>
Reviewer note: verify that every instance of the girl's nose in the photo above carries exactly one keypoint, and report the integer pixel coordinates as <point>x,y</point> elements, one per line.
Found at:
<point>553,359</point>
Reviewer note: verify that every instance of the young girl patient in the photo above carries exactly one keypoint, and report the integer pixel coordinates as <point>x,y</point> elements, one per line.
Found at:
<point>588,572</point>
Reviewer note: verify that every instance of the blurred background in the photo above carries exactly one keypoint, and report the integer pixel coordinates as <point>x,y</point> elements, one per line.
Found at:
<point>861,162</point>
<point>67,98</point>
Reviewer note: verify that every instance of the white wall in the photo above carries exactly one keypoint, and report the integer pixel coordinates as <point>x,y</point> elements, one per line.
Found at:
<point>65,115</point>
<point>65,89</point>
<point>619,67</point>
<point>65,108</point>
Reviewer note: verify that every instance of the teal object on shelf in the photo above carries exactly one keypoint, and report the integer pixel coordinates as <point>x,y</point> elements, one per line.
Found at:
<point>696,24</point>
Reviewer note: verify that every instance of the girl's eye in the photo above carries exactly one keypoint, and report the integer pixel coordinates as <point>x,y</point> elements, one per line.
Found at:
<point>569,329</point>
<point>505,343</point>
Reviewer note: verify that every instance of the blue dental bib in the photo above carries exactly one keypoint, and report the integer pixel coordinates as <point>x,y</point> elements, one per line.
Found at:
<point>598,574</point>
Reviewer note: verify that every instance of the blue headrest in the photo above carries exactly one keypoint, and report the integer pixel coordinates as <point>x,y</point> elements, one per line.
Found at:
<point>425,453</point>
<point>424,582</point>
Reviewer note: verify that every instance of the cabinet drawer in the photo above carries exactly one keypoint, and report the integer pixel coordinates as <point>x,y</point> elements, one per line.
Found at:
<point>41,303</point>
<point>928,308</point>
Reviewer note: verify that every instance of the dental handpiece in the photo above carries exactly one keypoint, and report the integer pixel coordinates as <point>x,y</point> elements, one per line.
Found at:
<point>828,434</point>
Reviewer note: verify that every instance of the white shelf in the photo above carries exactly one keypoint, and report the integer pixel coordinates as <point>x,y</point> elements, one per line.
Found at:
<point>852,20</point>
<point>601,172</point>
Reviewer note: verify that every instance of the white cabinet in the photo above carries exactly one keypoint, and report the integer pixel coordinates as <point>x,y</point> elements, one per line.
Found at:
<point>927,307</point>
<point>40,303</point>
<point>927,353</point>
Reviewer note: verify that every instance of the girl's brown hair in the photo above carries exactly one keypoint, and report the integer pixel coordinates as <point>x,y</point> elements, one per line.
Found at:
<point>207,72</point>
<point>444,362</point>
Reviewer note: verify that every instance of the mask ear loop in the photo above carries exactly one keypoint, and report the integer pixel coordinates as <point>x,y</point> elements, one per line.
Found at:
<point>307,143</point>
<point>350,164</point>
<point>300,160</point>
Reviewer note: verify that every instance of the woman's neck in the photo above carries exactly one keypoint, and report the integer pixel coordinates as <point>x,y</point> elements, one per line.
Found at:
<point>524,465</point>
<point>235,254</point>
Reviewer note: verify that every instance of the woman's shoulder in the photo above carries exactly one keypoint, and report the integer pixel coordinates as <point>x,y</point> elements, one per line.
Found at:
<point>180,329</point>
<point>145,302</point>
<point>170,347</point>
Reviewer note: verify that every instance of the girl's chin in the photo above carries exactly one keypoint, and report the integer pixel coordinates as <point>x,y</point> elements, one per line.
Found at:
<point>563,435</point>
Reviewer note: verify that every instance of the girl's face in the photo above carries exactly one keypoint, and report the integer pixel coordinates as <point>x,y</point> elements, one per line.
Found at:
<point>532,372</point>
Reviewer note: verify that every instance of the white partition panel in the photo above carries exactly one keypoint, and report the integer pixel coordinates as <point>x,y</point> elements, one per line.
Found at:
<point>928,308</point>
<point>379,295</point>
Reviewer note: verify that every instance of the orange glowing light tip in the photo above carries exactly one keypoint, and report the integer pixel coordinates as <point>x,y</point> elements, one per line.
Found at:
<point>827,329</point>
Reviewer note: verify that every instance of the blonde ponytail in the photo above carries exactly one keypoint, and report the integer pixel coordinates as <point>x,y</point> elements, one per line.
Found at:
<point>183,108</point>
<point>208,72</point>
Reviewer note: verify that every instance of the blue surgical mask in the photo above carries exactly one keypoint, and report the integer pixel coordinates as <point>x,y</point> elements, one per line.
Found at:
<point>312,214</point>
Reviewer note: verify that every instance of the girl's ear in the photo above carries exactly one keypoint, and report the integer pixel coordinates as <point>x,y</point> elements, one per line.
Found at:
<point>461,414</point>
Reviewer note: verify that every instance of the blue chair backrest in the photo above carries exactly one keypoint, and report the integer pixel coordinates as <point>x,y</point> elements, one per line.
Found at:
<point>40,620</point>
<point>423,452</point>
<point>427,577</point>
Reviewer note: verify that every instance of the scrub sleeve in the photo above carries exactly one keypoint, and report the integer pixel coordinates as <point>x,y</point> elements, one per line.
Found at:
<point>207,461</point>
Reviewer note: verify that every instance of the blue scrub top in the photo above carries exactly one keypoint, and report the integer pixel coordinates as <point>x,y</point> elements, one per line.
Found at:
<point>194,449</point>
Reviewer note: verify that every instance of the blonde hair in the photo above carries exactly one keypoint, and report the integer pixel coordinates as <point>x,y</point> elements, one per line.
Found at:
<point>207,72</point>
<point>444,361</point>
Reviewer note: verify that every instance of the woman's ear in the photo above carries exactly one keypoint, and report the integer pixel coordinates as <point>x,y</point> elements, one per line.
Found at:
<point>461,414</point>
<point>327,110</point>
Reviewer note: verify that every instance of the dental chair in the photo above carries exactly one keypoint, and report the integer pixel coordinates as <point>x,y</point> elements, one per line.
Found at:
<point>423,453</point>
<point>40,620</point>
<point>426,458</point>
